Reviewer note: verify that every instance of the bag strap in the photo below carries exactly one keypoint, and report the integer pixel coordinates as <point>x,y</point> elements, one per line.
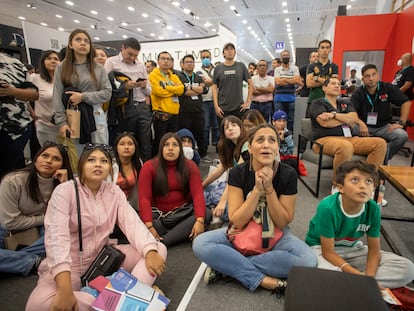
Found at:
<point>79,215</point>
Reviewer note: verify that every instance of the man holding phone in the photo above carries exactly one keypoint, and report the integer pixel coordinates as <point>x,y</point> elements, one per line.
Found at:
<point>138,115</point>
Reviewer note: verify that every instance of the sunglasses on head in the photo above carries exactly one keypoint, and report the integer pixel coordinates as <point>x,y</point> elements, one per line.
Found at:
<point>104,147</point>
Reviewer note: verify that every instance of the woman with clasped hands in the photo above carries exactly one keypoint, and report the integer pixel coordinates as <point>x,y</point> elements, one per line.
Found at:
<point>102,205</point>
<point>261,180</point>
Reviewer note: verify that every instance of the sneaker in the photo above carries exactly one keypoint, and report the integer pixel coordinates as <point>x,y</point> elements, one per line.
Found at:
<point>211,276</point>
<point>279,291</point>
<point>206,158</point>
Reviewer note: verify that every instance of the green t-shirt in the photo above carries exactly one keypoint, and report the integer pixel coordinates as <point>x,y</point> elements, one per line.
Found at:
<point>331,221</point>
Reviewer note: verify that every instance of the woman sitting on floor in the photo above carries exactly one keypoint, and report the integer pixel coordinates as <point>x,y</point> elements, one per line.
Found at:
<point>171,199</point>
<point>103,205</point>
<point>262,184</point>
<point>24,196</point>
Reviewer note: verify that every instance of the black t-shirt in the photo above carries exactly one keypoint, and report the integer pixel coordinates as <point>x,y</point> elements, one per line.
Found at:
<point>319,106</point>
<point>404,75</point>
<point>191,103</point>
<point>304,92</point>
<point>284,182</point>
<point>324,71</point>
<point>382,101</point>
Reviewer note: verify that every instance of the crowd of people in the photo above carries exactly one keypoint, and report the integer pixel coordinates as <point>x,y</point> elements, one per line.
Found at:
<point>144,128</point>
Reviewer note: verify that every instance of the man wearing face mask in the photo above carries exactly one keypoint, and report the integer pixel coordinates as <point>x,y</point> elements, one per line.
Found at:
<point>286,77</point>
<point>404,78</point>
<point>210,120</point>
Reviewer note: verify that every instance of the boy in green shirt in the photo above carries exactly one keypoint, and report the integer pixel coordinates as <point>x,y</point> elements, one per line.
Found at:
<point>343,218</point>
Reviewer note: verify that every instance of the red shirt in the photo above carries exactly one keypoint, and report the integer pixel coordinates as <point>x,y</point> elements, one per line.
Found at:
<point>175,197</point>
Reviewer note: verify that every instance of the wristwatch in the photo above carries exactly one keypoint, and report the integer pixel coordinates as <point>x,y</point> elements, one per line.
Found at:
<point>401,122</point>
<point>334,114</point>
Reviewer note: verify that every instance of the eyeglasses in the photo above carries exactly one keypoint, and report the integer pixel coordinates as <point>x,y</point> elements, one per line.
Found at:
<point>104,147</point>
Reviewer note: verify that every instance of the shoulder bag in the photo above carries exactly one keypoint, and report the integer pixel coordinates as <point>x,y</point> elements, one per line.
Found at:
<point>109,258</point>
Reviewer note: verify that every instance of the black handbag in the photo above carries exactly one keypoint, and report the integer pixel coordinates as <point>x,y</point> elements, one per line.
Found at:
<point>175,216</point>
<point>109,258</point>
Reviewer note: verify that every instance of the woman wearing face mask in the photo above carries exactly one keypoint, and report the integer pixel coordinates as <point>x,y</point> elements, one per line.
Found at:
<point>25,194</point>
<point>103,205</point>
<point>171,200</point>
<point>45,129</point>
<point>286,77</point>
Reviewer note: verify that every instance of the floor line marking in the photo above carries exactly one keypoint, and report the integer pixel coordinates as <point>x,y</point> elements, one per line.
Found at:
<point>192,287</point>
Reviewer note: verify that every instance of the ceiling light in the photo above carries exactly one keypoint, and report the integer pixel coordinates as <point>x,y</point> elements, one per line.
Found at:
<point>160,37</point>
<point>76,21</point>
<point>124,24</point>
<point>110,18</point>
<point>284,3</point>
<point>288,25</point>
<point>207,24</point>
<point>69,3</point>
<point>180,32</point>
<point>94,12</point>
<point>131,8</point>
<point>110,32</point>
<point>152,34</point>
<point>93,26</point>
<point>22,18</point>
<point>232,7</point>
<point>250,27</point>
<point>187,11</point>
<point>285,11</point>
<point>139,29</point>
<point>144,15</point>
<point>287,20</point>
<point>349,6</point>
<point>291,42</point>
<point>43,24</point>
<point>58,16</point>
<point>157,20</point>
<point>31,6</point>
<point>97,38</point>
<point>169,27</point>
<point>289,30</point>
<point>187,35</point>
<point>61,29</point>
<point>175,3</point>
<point>226,0</point>
<point>124,36</point>
<point>214,30</point>
<point>244,21</point>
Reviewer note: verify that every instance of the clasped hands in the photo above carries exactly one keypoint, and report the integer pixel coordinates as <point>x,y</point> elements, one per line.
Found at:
<point>264,178</point>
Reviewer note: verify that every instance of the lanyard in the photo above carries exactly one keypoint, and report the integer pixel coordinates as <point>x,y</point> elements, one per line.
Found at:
<point>375,99</point>
<point>166,76</point>
<point>188,77</point>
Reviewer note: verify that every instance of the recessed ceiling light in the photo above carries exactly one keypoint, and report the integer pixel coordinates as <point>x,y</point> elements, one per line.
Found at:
<point>187,35</point>
<point>349,6</point>
<point>110,32</point>
<point>110,18</point>
<point>58,16</point>
<point>207,24</point>
<point>285,11</point>
<point>139,29</point>
<point>94,12</point>
<point>287,20</point>
<point>175,3</point>
<point>22,18</point>
<point>69,3</point>
<point>250,27</point>
<point>160,37</point>
<point>180,32</point>
<point>244,21</point>
<point>93,26</point>
<point>144,15</point>
<point>284,3</point>
<point>152,34</point>
<point>31,6</point>
<point>97,38</point>
<point>232,7</point>
<point>187,11</point>
<point>288,25</point>
<point>157,20</point>
<point>169,27</point>
<point>124,36</point>
<point>43,24</point>
<point>76,21</point>
<point>124,24</point>
<point>131,8</point>
<point>61,29</point>
<point>214,29</point>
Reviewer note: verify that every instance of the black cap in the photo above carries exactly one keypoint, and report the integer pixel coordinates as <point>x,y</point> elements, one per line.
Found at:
<point>229,44</point>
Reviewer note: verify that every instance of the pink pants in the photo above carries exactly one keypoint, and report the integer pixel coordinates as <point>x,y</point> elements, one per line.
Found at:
<point>343,148</point>
<point>44,292</point>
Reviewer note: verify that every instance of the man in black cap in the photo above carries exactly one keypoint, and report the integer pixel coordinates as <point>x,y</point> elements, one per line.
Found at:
<point>228,85</point>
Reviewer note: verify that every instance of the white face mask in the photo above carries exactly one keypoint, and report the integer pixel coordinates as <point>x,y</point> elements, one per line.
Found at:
<point>399,62</point>
<point>188,152</point>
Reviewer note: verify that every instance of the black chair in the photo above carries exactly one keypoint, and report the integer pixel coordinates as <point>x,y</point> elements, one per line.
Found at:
<point>312,289</point>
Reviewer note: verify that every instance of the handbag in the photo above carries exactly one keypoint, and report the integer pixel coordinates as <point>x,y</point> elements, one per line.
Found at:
<point>19,239</point>
<point>248,241</point>
<point>175,216</point>
<point>73,118</point>
<point>109,258</point>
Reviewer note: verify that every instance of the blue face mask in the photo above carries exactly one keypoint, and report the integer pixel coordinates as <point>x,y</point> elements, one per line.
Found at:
<point>206,62</point>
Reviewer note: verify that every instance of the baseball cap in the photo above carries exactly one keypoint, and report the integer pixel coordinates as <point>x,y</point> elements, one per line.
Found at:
<point>280,114</point>
<point>229,44</point>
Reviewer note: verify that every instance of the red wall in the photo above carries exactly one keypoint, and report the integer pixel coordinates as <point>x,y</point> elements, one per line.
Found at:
<point>392,33</point>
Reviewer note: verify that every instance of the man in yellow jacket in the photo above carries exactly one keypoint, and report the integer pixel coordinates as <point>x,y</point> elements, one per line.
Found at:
<point>166,87</point>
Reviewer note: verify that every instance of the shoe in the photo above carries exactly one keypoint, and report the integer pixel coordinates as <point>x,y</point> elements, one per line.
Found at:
<point>334,189</point>
<point>211,276</point>
<point>384,203</point>
<point>206,158</point>
<point>279,291</point>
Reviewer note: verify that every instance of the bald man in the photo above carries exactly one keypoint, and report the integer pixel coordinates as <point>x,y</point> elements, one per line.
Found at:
<point>404,78</point>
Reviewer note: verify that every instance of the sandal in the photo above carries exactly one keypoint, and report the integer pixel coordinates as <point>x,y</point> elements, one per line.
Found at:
<point>280,289</point>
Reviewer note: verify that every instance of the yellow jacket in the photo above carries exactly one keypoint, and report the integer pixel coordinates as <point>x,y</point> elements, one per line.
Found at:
<point>165,91</point>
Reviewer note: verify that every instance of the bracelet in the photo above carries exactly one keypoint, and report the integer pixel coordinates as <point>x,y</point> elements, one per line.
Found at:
<point>200,221</point>
<point>343,265</point>
<point>150,227</point>
<point>269,192</point>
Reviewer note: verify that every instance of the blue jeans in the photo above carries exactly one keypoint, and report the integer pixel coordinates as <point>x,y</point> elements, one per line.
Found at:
<point>264,108</point>
<point>216,251</point>
<point>22,260</point>
<point>289,108</point>
<point>210,122</point>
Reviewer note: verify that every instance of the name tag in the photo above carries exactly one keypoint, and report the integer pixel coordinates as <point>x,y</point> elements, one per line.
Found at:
<point>194,97</point>
<point>175,99</point>
<point>372,118</point>
<point>347,131</point>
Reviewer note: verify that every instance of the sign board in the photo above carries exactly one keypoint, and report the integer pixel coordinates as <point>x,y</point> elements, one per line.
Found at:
<point>280,46</point>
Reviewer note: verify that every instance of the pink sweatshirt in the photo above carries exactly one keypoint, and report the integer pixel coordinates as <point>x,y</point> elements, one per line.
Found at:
<point>99,215</point>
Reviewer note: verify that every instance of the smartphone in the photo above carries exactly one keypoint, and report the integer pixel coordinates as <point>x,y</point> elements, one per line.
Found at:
<point>140,79</point>
<point>67,133</point>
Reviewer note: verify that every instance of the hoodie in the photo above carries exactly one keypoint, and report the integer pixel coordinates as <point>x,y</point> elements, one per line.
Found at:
<point>187,133</point>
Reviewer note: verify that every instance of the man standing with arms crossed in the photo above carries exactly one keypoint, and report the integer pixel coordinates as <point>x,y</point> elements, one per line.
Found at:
<point>138,116</point>
<point>263,87</point>
<point>228,83</point>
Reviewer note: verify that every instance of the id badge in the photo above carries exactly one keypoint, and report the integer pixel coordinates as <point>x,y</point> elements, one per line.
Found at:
<point>194,97</point>
<point>175,99</point>
<point>347,131</point>
<point>372,118</point>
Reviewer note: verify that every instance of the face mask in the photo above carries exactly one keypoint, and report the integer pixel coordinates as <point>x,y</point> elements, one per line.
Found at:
<point>399,63</point>
<point>285,60</point>
<point>206,62</point>
<point>188,152</point>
